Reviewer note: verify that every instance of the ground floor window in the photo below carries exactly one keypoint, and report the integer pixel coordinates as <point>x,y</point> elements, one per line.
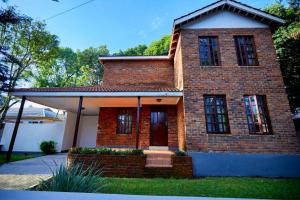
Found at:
<point>124,125</point>
<point>257,114</point>
<point>216,114</point>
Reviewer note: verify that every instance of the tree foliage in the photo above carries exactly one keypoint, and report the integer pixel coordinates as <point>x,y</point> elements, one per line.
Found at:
<point>287,44</point>
<point>156,48</point>
<point>26,45</point>
<point>135,51</point>
<point>159,47</point>
<point>68,68</point>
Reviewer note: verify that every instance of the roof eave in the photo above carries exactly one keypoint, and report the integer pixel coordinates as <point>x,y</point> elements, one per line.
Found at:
<point>100,94</point>
<point>222,3</point>
<point>117,58</point>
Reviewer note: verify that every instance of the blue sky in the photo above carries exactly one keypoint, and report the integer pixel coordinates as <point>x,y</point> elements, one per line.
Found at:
<point>119,24</point>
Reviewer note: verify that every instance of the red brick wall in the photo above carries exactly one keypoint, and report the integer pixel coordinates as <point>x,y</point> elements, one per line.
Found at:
<point>107,135</point>
<point>149,73</point>
<point>235,81</point>
<point>133,165</point>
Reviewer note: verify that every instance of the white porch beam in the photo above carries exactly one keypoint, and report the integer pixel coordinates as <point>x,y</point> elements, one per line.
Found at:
<point>98,94</point>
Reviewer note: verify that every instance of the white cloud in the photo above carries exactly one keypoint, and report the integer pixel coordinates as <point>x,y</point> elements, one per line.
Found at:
<point>142,34</point>
<point>156,22</point>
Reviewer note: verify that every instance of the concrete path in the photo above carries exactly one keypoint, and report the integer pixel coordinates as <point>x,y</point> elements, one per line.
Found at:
<point>27,173</point>
<point>20,195</point>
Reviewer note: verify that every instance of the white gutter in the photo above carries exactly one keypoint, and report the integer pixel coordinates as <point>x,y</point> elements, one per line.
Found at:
<point>98,94</point>
<point>134,58</point>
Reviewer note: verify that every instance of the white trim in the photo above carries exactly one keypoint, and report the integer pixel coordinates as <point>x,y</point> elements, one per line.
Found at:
<point>98,94</point>
<point>182,19</point>
<point>231,3</point>
<point>257,12</point>
<point>134,58</point>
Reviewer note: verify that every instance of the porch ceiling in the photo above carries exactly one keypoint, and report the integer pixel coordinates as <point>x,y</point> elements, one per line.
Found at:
<point>91,104</point>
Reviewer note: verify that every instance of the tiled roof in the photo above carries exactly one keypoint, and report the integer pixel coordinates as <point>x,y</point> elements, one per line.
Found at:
<point>101,88</point>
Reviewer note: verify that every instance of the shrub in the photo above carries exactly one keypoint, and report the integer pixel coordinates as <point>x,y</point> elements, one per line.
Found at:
<point>106,151</point>
<point>48,147</point>
<point>76,178</point>
<point>180,153</point>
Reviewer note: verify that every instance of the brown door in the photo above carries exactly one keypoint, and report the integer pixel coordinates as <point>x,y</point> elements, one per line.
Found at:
<point>159,127</point>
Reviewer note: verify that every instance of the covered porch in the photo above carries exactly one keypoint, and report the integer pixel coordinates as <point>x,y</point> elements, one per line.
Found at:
<point>114,118</point>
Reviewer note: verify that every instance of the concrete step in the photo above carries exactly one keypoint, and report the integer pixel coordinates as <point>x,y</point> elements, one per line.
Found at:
<point>158,166</point>
<point>159,162</point>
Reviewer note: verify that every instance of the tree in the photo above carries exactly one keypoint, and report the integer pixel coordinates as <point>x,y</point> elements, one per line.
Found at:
<point>91,71</point>
<point>69,68</point>
<point>27,45</point>
<point>159,47</point>
<point>60,71</point>
<point>287,44</point>
<point>135,51</point>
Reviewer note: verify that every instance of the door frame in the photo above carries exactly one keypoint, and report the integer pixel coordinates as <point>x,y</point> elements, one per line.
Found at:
<point>159,109</point>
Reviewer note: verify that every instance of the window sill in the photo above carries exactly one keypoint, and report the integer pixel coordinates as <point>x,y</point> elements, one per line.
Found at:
<point>249,66</point>
<point>210,66</point>
<point>218,134</point>
<point>261,134</point>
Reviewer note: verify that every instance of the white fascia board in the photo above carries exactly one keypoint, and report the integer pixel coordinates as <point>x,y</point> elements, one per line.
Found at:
<point>134,57</point>
<point>98,94</point>
<point>256,12</point>
<point>195,14</point>
<point>234,4</point>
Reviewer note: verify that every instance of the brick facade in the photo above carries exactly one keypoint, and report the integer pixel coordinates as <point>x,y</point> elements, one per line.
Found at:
<point>235,81</point>
<point>107,129</point>
<point>148,73</point>
<point>185,73</point>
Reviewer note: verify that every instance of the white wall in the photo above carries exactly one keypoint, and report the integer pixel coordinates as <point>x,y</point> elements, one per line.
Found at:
<point>225,19</point>
<point>69,131</point>
<point>30,136</point>
<point>87,131</point>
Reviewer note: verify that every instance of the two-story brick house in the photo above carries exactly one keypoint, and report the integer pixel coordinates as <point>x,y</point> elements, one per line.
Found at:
<point>220,88</point>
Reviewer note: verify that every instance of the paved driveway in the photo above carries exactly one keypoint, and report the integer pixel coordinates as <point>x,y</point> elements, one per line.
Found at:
<point>26,173</point>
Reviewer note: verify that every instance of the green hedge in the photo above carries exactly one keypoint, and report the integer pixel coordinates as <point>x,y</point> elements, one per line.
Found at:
<point>105,151</point>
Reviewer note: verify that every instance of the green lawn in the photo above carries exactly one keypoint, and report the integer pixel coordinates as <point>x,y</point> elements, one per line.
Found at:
<point>209,187</point>
<point>16,157</point>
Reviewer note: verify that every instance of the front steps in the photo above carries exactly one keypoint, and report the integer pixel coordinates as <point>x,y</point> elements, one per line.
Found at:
<point>159,160</point>
<point>158,163</point>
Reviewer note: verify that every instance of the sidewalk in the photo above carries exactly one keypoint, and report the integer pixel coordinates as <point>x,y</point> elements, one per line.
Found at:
<point>27,173</point>
<point>20,195</point>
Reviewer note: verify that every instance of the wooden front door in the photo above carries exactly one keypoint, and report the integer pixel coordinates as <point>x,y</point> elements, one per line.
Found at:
<point>159,127</point>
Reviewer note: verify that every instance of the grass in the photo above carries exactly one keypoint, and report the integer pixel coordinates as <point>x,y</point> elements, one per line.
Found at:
<point>209,187</point>
<point>17,156</point>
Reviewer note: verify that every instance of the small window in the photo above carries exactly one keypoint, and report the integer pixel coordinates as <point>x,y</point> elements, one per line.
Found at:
<point>216,114</point>
<point>245,50</point>
<point>124,121</point>
<point>209,51</point>
<point>257,114</point>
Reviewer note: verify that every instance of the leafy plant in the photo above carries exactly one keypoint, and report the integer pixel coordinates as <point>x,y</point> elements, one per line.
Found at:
<point>48,147</point>
<point>75,178</point>
<point>105,151</point>
<point>180,153</point>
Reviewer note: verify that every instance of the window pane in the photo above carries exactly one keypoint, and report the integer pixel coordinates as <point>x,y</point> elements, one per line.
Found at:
<point>124,125</point>
<point>209,51</point>
<point>216,115</point>
<point>257,115</point>
<point>246,54</point>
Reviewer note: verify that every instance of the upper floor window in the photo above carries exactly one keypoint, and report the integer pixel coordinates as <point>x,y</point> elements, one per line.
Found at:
<point>257,114</point>
<point>216,114</point>
<point>209,51</point>
<point>245,50</point>
<point>124,125</point>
